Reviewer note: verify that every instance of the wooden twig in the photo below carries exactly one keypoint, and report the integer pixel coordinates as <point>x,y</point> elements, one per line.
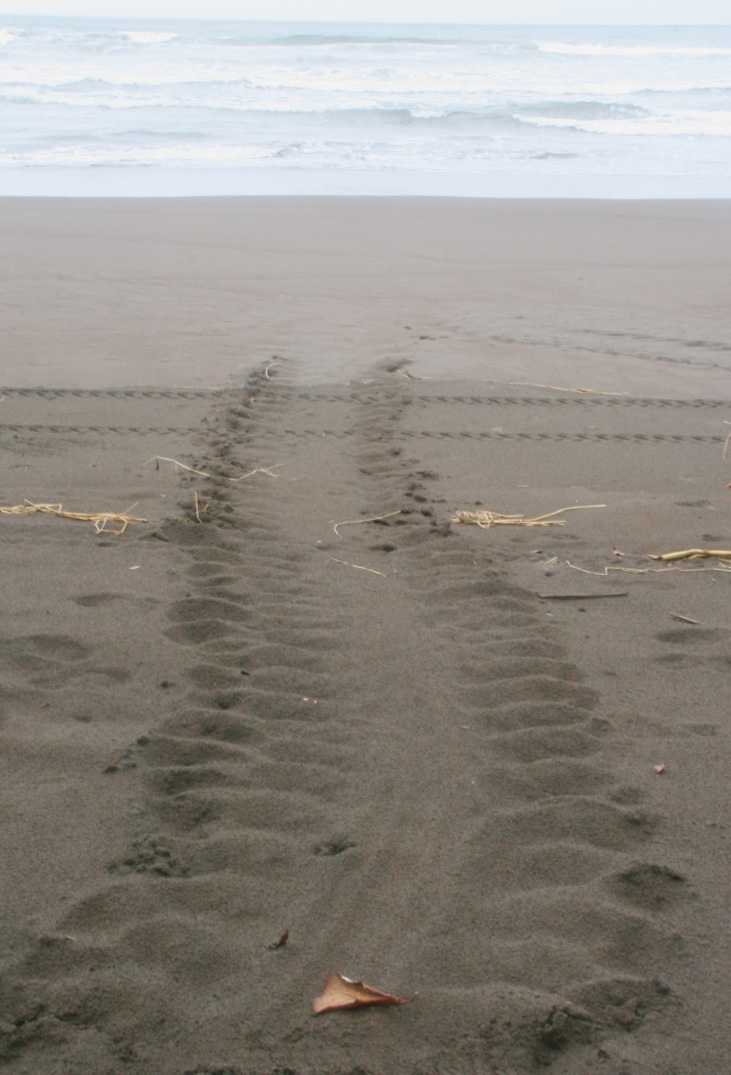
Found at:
<point>684,619</point>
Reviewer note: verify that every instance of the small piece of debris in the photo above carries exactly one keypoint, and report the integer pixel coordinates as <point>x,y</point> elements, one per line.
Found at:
<point>281,942</point>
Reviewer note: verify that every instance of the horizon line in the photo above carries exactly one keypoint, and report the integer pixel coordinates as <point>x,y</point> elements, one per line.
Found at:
<point>355,22</point>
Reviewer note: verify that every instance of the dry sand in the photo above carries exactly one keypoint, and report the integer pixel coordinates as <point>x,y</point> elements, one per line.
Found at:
<point>427,750</point>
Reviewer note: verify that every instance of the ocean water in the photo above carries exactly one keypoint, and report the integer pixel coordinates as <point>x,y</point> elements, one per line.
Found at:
<point>194,107</point>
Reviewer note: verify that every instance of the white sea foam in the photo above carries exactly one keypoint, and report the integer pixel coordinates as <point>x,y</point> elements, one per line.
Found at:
<point>180,156</point>
<point>713,124</point>
<point>631,51</point>
<point>453,100</point>
<point>147,37</point>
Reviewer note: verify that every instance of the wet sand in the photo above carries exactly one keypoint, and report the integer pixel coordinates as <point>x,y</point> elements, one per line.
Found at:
<point>628,296</point>
<point>429,751</point>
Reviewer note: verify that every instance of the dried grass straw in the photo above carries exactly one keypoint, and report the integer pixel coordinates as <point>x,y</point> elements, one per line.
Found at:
<point>487,519</point>
<point>359,522</point>
<point>100,519</point>
<point>158,459</point>
<point>723,566</point>
<point>558,388</point>
<point>410,376</point>
<point>358,567</point>
<point>694,554</point>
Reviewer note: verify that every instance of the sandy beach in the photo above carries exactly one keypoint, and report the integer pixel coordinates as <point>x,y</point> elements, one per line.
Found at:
<point>482,769</point>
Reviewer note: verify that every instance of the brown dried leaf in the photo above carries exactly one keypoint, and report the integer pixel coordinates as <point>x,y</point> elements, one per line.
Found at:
<point>339,992</point>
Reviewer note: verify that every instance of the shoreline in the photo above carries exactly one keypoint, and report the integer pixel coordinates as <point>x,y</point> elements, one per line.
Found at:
<point>130,182</point>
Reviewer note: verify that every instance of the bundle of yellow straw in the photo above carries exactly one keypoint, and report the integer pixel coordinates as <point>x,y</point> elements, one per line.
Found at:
<point>100,519</point>
<point>487,519</point>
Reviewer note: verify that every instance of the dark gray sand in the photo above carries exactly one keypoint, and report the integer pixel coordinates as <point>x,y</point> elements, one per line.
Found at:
<point>233,720</point>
